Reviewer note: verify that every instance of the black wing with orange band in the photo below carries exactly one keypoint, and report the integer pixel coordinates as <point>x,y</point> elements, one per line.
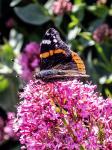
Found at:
<point>57,59</point>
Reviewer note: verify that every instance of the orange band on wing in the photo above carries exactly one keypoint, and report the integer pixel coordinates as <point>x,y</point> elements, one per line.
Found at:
<point>52,52</point>
<point>44,55</point>
<point>57,51</point>
<point>79,62</point>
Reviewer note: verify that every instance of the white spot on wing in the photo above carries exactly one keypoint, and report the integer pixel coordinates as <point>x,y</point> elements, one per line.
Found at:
<point>56,45</point>
<point>46,42</point>
<point>55,41</point>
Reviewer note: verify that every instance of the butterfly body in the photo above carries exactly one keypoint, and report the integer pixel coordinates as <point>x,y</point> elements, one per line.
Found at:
<point>57,60</point>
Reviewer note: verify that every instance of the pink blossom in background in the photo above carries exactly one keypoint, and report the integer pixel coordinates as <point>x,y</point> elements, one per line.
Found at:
<point>63,115</point>
<point>6,127</point>
<point>102,32</point>
<point>61,6</point>
<point>1,129</point>
<point>10,23</point>
<point>29,60</point>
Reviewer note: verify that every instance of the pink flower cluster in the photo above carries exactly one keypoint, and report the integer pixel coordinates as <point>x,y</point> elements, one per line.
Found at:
<point>63,115</point>
<point>61,6</point>
<point>6,127</point>
<point>102,32</point>
<point>29,60</point>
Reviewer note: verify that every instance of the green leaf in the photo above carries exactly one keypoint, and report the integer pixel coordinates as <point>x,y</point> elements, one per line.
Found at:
<point>99,10</point>
<point>90,67</point>
<point>16,41</point>
<point>110,11</point>
<point>74,22</point>
<point>9,96</point>
<point>108,92</point>
<point>6,54</point>
<point>5,70</point>
<point>78,11</point>
<point>32,14</point>
<point>58,20</point>
<point>4,83</point>
<point>78,1</point>
<point>101,52</point>
<point>86,35</point>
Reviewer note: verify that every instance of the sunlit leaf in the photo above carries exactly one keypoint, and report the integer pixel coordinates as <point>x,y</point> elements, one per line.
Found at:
<point>48,6</point>
<point>108,92</point>
<point>4,83</point>
<point>73,33</point>
<point>6,54</point>
<point>102,80</point>
<point>16,41</point>
<point>78,1</point>
<point>86,35</point>
<point>15,2</point>
<point>74,21</point>
<point>78,10</point>
<point>4,69</point>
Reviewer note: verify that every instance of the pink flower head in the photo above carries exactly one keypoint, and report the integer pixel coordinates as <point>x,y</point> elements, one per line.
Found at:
<point>63,115</point>
<point>29,60</point>
<point>61,6</point>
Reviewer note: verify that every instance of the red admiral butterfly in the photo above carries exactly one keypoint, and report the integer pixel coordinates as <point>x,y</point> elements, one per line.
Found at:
<point>57,60</point>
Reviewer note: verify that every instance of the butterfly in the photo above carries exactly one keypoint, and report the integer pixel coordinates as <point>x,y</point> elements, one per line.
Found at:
<point>57,61</point>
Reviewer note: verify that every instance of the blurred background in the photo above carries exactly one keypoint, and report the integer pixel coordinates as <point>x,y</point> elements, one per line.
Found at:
<point>86,25</point>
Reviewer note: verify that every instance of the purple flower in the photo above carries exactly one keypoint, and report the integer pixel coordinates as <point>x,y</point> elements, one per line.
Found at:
<point>63,115</point>
<point>29,60</point>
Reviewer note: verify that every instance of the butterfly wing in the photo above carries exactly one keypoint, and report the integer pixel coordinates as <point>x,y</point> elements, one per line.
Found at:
<point>53,50</point>
<point>57,60</point>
